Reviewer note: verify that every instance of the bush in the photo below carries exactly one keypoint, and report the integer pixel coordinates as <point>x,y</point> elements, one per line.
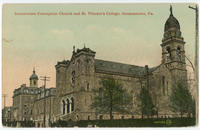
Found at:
<point>152,122</point>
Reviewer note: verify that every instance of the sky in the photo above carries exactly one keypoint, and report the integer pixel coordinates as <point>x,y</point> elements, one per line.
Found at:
<point>41,41</point>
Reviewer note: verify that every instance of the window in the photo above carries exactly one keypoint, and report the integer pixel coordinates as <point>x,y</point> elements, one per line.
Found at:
<point>167,87</point>
<point>88,117</point>
<point>178,54</point>
<point>101,117</point>
<point>88,86</point>
<point>68,105</point>
<point>63,103</point>
<point>168,54</point>
<point>163,84</point>
<point>72,104</point>
<point>73,77</point>
<point>34,82</point>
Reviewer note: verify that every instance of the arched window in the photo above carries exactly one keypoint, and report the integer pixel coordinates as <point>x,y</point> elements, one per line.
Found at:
<point>72,104</point>
<point>34,82</point>
<point>101,117</point>
<point>73,77</point>
<point>163,84</point>
<point>178,53</point>
<point>88,86</point>
<point>68,105</point>
<point>63,106</point>
<point>167,87</point>
<point>168,54</point>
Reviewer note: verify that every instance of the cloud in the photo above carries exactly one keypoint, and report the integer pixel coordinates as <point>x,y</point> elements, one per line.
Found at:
<point>61,32</point>
<point>93,28</point>
<point>119,30</point>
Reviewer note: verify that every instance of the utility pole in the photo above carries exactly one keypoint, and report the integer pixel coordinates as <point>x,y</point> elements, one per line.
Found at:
<point>50,112</point>
<point>4,97</point>
<point>45,79</point>
<point>196,72</point>
<point>147,77</point>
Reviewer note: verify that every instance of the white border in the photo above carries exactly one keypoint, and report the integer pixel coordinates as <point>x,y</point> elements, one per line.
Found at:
<point>88,1</point>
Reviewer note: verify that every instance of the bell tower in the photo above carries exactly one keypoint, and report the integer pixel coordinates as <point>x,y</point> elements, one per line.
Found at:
<point>173,52</point>
<point>34,79</point>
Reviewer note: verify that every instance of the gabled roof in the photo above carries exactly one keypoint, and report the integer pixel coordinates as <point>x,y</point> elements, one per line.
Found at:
<point>118,68</point>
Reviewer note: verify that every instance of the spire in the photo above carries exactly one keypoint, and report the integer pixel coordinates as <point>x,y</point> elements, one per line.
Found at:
<point>84,45</point>
<point>73,49</point>
<point>34,70</point>
<point>171,14</point>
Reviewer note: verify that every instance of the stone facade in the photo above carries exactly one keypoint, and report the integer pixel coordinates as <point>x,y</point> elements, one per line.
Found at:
<point>42,104</point>
<point>75,78</point>
<point>7,114</point>
<point>28,103</point>
<point>23,100</point>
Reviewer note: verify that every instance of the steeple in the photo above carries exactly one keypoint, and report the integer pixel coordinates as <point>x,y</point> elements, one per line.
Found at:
<point>172,42</point>
<point>34,70</point>
<point>172,22</point>
<point>171,13</point>
<point>73,49</point>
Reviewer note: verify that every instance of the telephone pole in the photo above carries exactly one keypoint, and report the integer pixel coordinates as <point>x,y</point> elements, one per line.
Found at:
<point>4,97</point>
<point>196,72</point>
<point>45,79</point>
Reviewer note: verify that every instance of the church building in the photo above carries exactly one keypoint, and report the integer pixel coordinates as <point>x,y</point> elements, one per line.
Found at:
<point>77,77</point>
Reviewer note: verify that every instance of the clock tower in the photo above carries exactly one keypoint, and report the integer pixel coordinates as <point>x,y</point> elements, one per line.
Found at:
<point>173,52</point>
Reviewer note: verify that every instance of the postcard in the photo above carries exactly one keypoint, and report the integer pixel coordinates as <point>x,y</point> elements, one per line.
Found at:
<point>100,65</point>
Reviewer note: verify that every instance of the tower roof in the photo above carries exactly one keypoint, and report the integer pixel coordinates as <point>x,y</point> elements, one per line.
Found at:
<point>171,22</point>
<point>34,76</point>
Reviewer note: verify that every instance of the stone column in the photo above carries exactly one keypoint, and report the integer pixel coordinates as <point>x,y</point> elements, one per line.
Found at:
<point>70,106</point>
<point>65,108</point>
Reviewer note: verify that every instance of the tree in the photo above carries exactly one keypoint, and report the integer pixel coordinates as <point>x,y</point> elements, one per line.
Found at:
<point>111,98</point>
<point>146,103</point>
<point>192,109</point>
<point>181,99</point>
